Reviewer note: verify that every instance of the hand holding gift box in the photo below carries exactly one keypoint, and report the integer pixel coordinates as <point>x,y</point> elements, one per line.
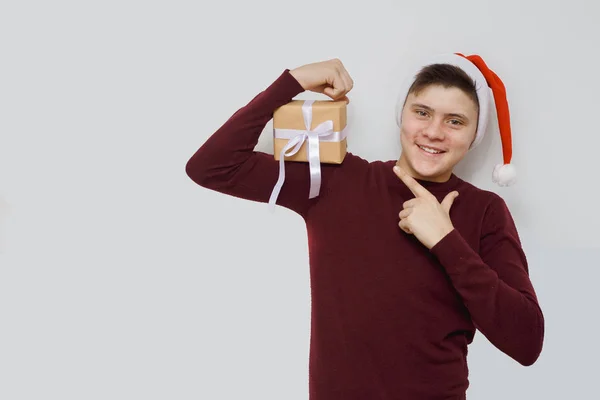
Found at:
<point>312,131</point>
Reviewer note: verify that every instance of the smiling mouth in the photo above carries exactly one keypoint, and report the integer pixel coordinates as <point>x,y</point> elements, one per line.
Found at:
<point>430,151</point>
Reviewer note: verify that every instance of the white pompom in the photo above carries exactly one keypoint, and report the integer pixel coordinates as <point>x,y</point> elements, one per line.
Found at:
<point>504,175</point>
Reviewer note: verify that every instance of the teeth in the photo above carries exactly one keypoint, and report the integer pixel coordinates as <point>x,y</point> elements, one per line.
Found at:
<point>429,150</point>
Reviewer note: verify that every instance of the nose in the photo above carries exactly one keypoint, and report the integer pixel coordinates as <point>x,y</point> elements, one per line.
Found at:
<point>434,131</point>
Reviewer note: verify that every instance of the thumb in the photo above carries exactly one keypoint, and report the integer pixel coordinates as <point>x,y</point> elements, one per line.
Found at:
<point>449,200</point>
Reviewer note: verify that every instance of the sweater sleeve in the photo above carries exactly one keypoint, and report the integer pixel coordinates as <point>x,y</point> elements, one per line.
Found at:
<point>227,162</point>
<point>495,286</point>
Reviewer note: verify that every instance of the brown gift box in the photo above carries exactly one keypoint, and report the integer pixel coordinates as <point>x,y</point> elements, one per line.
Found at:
<point>289,116</point>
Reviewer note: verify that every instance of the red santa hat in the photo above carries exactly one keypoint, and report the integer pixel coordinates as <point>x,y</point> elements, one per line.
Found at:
<point>486,83</point>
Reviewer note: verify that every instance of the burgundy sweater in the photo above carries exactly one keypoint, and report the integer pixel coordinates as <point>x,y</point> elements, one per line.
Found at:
<point>390,319</point>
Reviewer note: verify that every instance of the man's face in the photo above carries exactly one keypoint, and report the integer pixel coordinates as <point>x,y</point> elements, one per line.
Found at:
<point>443,119</point>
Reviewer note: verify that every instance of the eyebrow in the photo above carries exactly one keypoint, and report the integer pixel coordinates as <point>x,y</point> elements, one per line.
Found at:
<point>419,105</point>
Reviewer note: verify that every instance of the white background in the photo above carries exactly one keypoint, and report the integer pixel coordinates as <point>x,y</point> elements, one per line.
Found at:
<point>122,279</point>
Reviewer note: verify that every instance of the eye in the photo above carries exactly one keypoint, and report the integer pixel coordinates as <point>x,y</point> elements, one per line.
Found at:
<point>456,122</point>
<point>421,113</point>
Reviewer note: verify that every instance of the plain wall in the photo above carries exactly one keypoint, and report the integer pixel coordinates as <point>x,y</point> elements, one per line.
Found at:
<point>120,278</point>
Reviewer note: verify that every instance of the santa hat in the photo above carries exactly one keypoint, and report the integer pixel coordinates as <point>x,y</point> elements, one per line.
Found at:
<point>485,80</point>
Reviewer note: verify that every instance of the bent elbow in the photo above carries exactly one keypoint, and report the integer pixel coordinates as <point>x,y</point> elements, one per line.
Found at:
<point>535,343</point>
<point>529,360</point>
<point>202,168</point>
<point>529,356</point>
<point>196,172</point>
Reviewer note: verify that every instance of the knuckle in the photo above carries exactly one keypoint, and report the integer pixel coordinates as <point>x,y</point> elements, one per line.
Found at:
<point>339,67</point>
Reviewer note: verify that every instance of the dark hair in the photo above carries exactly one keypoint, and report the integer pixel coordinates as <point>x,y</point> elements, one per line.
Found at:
<point>447,76</point>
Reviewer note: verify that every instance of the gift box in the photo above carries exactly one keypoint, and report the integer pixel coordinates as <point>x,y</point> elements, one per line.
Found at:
<point>290,123</point>
<point>311,131</point>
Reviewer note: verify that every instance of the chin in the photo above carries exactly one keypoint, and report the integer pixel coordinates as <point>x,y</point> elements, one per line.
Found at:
<point>435,177</point>
<point>431,172</point>
<point>428,167</point>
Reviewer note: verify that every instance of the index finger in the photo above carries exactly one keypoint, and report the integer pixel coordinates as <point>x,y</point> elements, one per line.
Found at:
<point>411,183</point>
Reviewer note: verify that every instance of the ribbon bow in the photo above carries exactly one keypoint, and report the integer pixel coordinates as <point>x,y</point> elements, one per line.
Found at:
<point>314,161</point>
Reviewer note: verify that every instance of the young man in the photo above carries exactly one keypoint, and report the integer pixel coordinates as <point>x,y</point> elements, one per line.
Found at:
<point>403,271</point>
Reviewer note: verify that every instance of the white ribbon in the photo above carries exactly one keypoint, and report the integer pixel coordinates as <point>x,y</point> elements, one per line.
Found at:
<point>323,132</point>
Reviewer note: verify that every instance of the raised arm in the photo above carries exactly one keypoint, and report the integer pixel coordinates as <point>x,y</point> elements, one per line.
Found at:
<point>227,162</point>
